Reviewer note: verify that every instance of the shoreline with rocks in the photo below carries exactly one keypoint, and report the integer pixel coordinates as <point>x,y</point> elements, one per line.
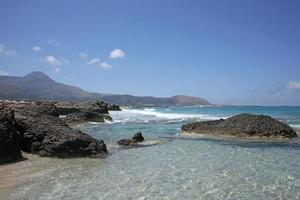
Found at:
<point>36,128</point>
<point>39,128</point>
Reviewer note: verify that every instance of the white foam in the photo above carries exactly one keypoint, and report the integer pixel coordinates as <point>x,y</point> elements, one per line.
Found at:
<point>295,125</point>
<point>95,123</point>
<point>149,109</point>
<point>152,112</point>
<point>152,115</point>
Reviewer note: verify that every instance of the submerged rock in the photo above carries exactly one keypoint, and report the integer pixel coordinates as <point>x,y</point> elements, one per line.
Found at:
<point>10,137</point>
<point>243,125</point>
<point>45,134</point>
<point>138,137</point>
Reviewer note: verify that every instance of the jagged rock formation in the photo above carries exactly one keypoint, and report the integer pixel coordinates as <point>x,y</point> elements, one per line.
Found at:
<point>36,128</point>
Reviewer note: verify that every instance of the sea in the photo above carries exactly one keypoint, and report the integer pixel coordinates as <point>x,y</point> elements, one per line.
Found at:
<point>166,165</point>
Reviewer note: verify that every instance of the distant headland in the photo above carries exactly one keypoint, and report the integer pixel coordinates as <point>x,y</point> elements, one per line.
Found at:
<point>39,86</point>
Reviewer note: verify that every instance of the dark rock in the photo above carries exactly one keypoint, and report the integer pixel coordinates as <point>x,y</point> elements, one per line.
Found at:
<point>243,125</point>
<point>45,107</point>
<point>125,142</point>
<point>10,137</point>
<point>138,137</point>
<point>83,117</point>
<point>80,112</point>
<point>65,108</point>
<point>113,107</point>
<point>47,135</point>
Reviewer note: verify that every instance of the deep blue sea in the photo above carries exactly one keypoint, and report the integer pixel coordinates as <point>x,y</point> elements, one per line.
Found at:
<point>168,166</point>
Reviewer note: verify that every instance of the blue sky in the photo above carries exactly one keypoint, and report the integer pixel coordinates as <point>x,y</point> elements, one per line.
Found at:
<point>236,52</point>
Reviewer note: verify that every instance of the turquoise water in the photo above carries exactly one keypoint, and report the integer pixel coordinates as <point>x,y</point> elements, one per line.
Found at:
<point>169,166</point>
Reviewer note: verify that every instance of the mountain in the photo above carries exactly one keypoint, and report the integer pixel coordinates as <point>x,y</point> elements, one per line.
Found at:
<point>39,86</point>
<point>13,92</point>
<point>179,100</point>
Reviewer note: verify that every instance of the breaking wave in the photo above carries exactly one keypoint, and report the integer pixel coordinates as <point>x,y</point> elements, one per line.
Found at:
<point>152,115</point>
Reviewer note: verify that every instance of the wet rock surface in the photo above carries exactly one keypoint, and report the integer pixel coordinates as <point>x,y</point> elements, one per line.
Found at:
<point>138,137</point>
<point>243,125</point>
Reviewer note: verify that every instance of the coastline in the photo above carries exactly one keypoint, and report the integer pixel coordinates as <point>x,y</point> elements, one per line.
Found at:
<point>191,160</point>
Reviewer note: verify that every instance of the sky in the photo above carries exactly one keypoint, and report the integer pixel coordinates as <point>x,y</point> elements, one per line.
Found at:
<point>244,52</point>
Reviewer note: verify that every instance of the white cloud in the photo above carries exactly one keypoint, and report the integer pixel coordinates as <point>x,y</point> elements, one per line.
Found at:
<point>97,62</point>
<point>83,55</point>
<point>55,61</point>
<point>94,61</point>
<point>53,42</point>
<point>6,52</point>
<point>293,85</point>
<point>105,65</point>
<point>117,53</point>
<point>66,61</point>
<point>36,48</point>
<point>52,61</point>
<point>57,70</point>
<point>3,73</point>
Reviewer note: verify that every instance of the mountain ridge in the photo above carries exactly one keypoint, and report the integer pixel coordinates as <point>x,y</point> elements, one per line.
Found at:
<point>39,86</point>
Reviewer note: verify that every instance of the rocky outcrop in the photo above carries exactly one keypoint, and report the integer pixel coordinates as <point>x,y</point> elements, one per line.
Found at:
<point>80,112</point>
<point>10,137</point>
<point>77,118</point>
<point>45,134</point>
<point>138,137</point>
<point>113,107</point>
<point>69,107</point>
<point>243,125</point>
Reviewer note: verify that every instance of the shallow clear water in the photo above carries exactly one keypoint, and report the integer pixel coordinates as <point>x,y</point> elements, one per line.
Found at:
<point>168,167</point>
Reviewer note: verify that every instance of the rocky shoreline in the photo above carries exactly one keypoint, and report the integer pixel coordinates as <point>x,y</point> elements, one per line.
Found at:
<point>241,126</point>
<point>45,128</point>
<point>35,127</point>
